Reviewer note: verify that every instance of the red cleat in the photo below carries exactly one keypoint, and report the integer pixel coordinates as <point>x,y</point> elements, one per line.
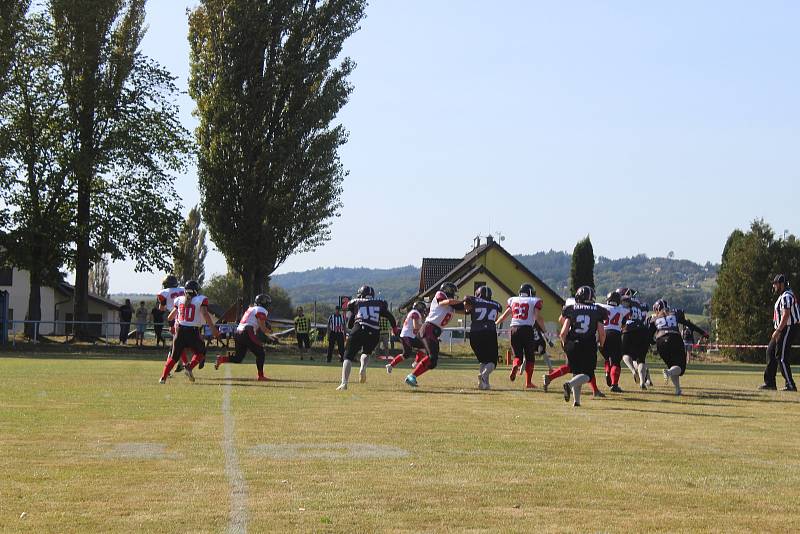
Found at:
<point>530,386</point>
<point>262,378</point>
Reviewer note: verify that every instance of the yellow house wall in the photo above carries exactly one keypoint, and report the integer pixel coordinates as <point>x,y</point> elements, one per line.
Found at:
<point>507,272</point>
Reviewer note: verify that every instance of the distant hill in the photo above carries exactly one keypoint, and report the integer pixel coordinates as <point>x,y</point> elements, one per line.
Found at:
<point>682,282</point>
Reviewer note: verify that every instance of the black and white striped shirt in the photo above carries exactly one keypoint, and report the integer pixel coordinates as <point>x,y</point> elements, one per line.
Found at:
<point>786,303</point>
<point>336,324</point>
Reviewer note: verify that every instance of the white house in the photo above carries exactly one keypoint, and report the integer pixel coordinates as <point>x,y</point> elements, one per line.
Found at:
<point>57,304</point>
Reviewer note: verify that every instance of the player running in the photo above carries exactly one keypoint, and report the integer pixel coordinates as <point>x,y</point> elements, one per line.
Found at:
<point>409,337</point>
<point>635,341</point>
<point>365,316</point>
<point>612,349</point>
<point>443,306</point>
<point>253,321</point>
<point>669,343</point>
<point>564,369</point>
<point>170,290</point>
<point>581,332</point>
<point>483,331</point>
<point>524,310</point>
<point>190,313</point>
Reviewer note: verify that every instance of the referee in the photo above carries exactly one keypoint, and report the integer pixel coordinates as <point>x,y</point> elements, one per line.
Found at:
<point>785,320</point>
<point>336,333</point>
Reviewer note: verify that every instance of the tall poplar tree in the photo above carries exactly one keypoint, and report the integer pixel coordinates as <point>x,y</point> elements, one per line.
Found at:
<point>582,270</point>
<point>191,250</point>
<point>125,138</point>
<point>267,93</point>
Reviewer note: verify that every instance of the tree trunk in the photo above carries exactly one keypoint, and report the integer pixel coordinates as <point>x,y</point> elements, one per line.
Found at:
<point>34,305</point>
<point>82,260</point>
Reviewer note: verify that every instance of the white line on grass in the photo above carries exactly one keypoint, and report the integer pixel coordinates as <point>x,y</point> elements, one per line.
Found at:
<point>237,523</point>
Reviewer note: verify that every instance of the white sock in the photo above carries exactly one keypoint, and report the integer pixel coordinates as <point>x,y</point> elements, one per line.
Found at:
<point>487,370</point>
<point>576,383</point>
<point>629,363</point>
<point>347,365</point>
<point>364,361</point>
<point>642,373</point>
<point>675,375</point>
<point>547,361</point>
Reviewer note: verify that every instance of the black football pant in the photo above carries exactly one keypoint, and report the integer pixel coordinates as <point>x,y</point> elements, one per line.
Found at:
<point>336,338</point>
<point>778,355</point>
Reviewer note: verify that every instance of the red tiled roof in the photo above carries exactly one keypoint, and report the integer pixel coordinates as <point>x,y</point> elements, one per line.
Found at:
<point>434,269</point>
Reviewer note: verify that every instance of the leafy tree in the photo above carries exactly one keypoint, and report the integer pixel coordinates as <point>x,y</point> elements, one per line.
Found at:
<point>743,298</point>
<point>125,138</point>
<point>33,175</point>
<point>582,270</point>
<point>191,249</point>
<point>266,94</point>
<point>100,278</point>
<point>224,289</point>
<point>11,17</point>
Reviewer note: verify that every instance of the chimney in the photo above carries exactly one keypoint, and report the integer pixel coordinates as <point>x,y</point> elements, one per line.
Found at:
<point>489,239</point>
<point>476,242</point>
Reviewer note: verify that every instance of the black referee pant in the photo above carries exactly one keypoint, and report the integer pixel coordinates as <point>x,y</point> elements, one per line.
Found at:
<point>778,356</point>
<point>336,338</point>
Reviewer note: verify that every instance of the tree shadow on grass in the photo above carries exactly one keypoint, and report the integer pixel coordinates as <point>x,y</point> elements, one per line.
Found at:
<point>691,414</point>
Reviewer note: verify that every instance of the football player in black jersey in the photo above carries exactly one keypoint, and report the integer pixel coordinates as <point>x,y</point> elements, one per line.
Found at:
<point>483,331</point>
<point>663,328</point>
<point>365,314</point>
<point>635,343</point>
<point>581,332</point>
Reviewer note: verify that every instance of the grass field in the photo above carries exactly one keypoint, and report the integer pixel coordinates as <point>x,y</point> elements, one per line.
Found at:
<point>95,444</point>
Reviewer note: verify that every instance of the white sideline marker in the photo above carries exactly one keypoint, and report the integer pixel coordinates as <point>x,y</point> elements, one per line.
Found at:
<point>237,523</point>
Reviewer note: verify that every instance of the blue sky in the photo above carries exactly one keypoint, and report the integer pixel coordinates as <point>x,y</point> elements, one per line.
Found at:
<point>651,126</point>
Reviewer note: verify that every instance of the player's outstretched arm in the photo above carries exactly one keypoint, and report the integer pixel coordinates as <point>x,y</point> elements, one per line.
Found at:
<point>503,316</point>
<point>209,321</point>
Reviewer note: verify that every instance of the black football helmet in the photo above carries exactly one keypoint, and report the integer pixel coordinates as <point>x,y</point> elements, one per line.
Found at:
<point>191,287</point>
<point>584,295</point>
<point>660,305</point>
<point>263,300</point>
<point>527,290</point>
<point>365,292</point>
<point>169,281</point>
<point>613,299</point>
<point>421,307</point>
<point>484,292</point>
<point>449,289</point>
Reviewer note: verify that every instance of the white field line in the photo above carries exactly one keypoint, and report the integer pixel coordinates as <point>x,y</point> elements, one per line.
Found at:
<point>237,523</point>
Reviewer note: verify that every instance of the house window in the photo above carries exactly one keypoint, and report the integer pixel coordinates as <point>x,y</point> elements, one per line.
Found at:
<point>6,276</point>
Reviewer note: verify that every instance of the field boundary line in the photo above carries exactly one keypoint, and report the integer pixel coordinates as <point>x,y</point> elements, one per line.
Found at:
<point>237,522</point>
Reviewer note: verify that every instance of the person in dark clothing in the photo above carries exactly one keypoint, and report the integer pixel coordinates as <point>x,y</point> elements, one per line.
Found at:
<point>125,316</point>
<point>664,332</point>
<point>336,329</point>
<point>158,325</point>
<point>786,324</point>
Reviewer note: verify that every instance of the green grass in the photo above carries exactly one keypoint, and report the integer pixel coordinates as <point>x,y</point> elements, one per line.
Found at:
<point>722,458</point>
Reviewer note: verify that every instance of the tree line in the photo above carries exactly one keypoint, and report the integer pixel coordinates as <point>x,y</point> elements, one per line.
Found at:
<point>90,139</point>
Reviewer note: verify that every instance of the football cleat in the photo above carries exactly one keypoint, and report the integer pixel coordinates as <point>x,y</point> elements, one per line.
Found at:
<point>598,394</point>
<point>162,380</point>
<point>189,374</point>
<point>666,377</point>
<point>789,388</point>
<point>763,387</point>
<point>514,371</point>
<point>389,368</point>
<point>262,378</point>
<point>362,376</point>
<point>530,386</point>
<point>545,382</point>
<point>636,376</point>
<point>218,362</point>
<point>342,387</point>
<point>179,367</point>
<point>616,389</point>
<point>608,380</point>
<point>567,392</point>
<point>411,380</point>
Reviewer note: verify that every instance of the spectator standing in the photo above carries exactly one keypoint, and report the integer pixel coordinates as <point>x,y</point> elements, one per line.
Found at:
<point>141,323</point>
<point>302,328</point>
<point>336,334</point>
<point>125,315</point>
<point>158,324</point>
<point>786,322</point>
<point>688,340</point>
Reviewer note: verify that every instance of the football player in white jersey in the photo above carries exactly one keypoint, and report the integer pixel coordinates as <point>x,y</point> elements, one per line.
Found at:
<point>443,305</point>
<point>253,321</point>
<point>612,349</point>
<point>190,313</point>
<point>170,290</point>
<point>524,310</point>
<point>409,336</point>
